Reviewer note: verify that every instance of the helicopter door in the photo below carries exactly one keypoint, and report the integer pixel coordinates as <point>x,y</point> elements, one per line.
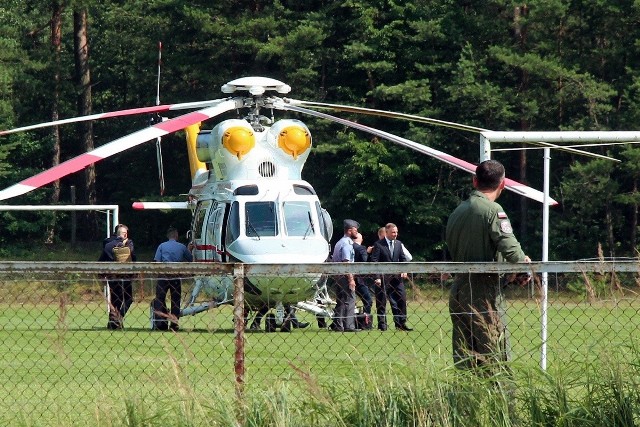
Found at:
<point>202,249</point>
<point>216,229</point>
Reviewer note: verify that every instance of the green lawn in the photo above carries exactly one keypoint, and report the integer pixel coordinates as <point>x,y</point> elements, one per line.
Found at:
<point>59,358</point>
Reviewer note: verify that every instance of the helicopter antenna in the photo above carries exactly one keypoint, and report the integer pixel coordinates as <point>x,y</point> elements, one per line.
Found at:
<point>159,119</point>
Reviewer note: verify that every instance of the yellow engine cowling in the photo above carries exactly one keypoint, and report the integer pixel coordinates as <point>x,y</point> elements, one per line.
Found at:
<point>235,136</point>
<point>292,137</point>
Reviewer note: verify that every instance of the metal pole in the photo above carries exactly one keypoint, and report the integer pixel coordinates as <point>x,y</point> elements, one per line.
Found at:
<point>238,321</point>
<point>485,148</point>
<point>545,257</point>
<point>74,222</point>
<point>116,218</point>
<point>108,212</point>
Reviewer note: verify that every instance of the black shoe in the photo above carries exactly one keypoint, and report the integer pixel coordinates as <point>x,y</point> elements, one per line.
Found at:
<point>352,330</point>
<point>301,325</point>
<point>114,325</point>
<point>404,328</point>
<point>161,327</point>
<point>382,328</point>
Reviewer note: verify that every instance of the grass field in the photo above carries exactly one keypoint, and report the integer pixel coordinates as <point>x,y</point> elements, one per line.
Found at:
<point>59,365</point>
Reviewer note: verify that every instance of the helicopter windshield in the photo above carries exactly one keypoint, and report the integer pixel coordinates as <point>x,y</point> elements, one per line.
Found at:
<point>260,219</point>
<point>297,218</point>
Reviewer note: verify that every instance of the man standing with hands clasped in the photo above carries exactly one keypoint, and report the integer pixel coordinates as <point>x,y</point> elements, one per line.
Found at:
<point>479,230</point>
<point>390,286</point>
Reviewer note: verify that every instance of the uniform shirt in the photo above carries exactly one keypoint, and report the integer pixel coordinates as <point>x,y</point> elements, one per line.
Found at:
<point>479,230</point>
<point>343,251</point>
<point>172,251</point>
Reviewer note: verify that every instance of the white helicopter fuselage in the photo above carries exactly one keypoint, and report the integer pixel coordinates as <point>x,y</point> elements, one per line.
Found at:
<point>251,206</point>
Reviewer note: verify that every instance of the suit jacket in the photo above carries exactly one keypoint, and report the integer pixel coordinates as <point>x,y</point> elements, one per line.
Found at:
<point>361,255</point>
<point>382,253</point>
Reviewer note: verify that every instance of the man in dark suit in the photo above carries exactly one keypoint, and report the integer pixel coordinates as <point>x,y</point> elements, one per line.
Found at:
<point>362,288</point>
<point>390,286</point>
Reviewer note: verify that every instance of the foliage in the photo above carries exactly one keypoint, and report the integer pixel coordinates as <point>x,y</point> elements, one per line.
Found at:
<point>582,394</point>
<point>552,65</point>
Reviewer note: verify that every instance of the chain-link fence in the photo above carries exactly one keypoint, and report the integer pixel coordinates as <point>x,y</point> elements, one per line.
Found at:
<point>59,356</point>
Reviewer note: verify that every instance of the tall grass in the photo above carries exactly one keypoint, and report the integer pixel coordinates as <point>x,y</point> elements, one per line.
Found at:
<point>605,392</point>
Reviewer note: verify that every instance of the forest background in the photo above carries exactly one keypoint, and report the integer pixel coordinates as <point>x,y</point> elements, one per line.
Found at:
<point>500,65</point>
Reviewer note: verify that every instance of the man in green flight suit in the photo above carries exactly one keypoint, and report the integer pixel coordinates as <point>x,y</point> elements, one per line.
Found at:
<point>479,230</point>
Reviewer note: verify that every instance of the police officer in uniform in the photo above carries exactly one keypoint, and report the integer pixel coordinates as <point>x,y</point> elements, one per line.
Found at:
<point>344,314</point>
<point>479,230</point>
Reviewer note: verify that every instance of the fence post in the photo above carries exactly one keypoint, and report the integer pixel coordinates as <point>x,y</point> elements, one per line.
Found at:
<point>238,322</point>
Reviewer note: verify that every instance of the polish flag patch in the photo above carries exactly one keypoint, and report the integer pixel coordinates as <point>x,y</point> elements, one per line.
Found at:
<point>502,215</point>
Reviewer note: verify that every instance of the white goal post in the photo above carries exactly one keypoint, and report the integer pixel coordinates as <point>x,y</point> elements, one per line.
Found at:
<point>550,139</point>
<point>112,211</point>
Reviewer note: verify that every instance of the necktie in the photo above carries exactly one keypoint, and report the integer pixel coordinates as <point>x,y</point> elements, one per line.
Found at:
<point>391,247</point>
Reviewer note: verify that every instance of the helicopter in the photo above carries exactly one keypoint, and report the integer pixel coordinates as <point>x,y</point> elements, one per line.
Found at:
<point>248,200</point>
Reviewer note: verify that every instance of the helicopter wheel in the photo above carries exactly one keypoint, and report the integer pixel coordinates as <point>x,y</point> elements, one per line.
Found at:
<point>270,323</point>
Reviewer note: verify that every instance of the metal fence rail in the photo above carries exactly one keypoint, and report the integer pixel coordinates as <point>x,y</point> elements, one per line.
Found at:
<point>58,357</point>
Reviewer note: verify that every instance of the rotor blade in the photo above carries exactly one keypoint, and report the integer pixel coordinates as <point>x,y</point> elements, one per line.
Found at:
<point>120,113</point>
<point>414,118</point>
<point>77,163</point>
<point>160,205</point>
<point>382,113</point>
<point>510,184</point>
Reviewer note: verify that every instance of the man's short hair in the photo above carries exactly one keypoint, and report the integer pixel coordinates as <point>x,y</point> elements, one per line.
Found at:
<point>172,231</point>
<point>116,230</point>
<point>389,226</point>
<point>489,175</point>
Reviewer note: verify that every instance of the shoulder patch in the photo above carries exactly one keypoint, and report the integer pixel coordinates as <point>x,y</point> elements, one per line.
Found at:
<point>505,226</point>
<point>502,215</point>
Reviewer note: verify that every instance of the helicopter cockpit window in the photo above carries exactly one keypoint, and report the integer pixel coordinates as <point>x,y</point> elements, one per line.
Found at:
<point>303,190</point>
<point>260,219</point>
<point>297,219</point>
<point>233,225</point>
<point>246,190</point>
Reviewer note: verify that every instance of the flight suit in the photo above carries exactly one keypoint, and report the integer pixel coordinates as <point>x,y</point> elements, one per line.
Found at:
<point>479,230</point>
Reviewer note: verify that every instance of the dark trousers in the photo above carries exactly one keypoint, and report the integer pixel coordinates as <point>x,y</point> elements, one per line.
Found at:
<point>480,335</point>
<point>120,300</point>
<point>363,292</point>
<point>344,314</point>
<point>392,290</point>
<point>174,286</point>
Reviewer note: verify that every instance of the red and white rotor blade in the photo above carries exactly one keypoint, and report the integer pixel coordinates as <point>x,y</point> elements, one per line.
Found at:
<point>77,163</point>
<point>510,184</point>
<point>120,113</point>
<point>159,205</point>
